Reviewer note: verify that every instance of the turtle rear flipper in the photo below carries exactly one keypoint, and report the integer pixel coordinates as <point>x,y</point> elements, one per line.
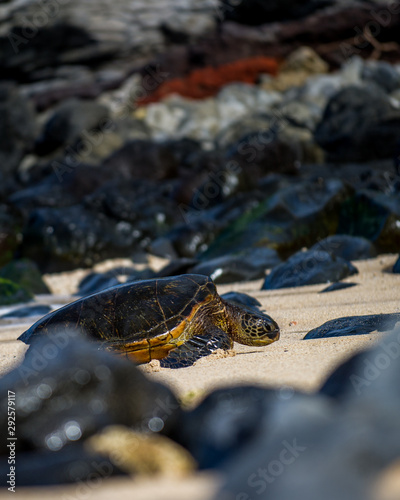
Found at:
<point>195,348</point>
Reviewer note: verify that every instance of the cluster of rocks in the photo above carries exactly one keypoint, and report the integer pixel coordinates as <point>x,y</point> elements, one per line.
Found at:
<point>236,181</point>
<point>81,411</point>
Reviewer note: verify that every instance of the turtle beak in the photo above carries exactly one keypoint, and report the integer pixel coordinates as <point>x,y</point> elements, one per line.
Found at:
<point>274,335</point>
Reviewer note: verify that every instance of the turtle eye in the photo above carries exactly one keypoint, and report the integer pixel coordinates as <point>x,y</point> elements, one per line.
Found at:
<point>257,327</point>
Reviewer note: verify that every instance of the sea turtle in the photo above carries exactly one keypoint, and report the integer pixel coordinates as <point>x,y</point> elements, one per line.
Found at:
<point>180,318</point>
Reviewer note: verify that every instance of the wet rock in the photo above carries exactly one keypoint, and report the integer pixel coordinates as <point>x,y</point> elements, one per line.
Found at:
<point>144,203</point>
<point>360,123</point>
<point>17,129</point>
<point>163,247</point>
<point>59,184</point>
<point>294,216</point>
<point>372,215</point>
<point>355,325</point>
<point>337,286</point>
<point>347,247</point>
<point>67,390</point>
<point>396,267</point>
<point>11,293</point>
<point>308,268</point>
<point>25,273</point>
<point>185,240</point>
<point>72,120</point>
<point>74,236</point>
<point>27,312</point>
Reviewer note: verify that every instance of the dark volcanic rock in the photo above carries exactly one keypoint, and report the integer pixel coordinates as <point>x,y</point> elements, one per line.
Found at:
<point>308,268</point>
<point>255,12</point>
<point>338,383</point>
<point>94,282</point>
<point>372,215</point>
<point>17,129</point>
<point>10,234</point>
<point>396,267</point>
<point>27,312</point>
<point>242,299</point>
<point>229,269</point>
<point>258,145</point>
<point>349,442</point>
<point>293,217</point>
<point>337,286</point>
<point>347,247</point>
<point>250,264</point>
<point>359,124</point>
<point>381,73</point>
<point>72,120</point>
<point>142,159</point>
<point>74,236</point>
<point>354,325</point>
<point>75,464</point>
<point>67,390</point>
<point>145,203</point>
<point>26,273</point>
<point>177,266</point>
<point>186,240</point>
<point>11,293</point>
<point>59,184</point>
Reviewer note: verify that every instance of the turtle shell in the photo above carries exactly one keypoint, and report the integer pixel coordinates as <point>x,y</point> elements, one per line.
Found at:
<point>145,319</point>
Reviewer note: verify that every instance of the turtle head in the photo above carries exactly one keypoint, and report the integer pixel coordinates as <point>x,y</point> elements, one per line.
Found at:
<point>252,328</point>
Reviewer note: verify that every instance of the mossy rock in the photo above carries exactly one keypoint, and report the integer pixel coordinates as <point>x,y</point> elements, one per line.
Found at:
<point>11,293</point>
<point>25,273</point>
<point>293,218</point>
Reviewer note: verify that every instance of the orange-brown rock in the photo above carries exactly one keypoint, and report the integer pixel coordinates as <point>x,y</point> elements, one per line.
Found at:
<point>206,82</point>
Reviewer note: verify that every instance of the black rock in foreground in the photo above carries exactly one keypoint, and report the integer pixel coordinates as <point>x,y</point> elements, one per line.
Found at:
<point>326,448</point>
<point>67,390</point>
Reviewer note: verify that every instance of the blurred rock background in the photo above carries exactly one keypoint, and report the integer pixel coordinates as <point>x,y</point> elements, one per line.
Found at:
<point>196,130</point>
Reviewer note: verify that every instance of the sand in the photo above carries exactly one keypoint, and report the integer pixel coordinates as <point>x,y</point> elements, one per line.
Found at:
<point>290,363</point>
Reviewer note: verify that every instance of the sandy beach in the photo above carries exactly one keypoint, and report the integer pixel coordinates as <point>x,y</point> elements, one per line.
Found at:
<point>290,363</point>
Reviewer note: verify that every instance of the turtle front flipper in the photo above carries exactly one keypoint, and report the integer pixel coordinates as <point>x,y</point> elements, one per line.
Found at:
<point>197,347</point>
